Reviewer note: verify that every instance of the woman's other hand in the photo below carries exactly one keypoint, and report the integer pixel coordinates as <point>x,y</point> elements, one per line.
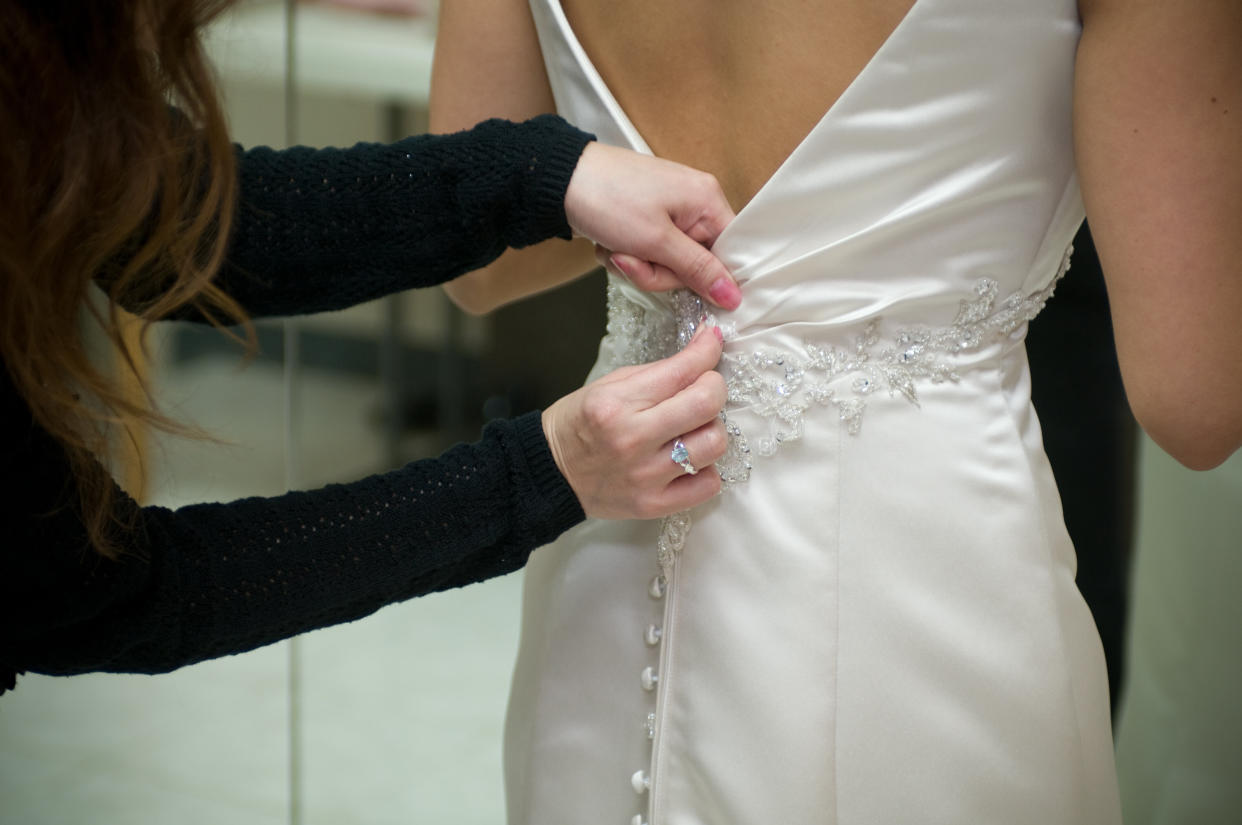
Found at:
<point>613,439</point>
<point>654,220</point>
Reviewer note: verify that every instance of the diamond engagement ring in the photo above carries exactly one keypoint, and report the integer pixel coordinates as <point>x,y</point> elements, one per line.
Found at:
<point>680,455</point>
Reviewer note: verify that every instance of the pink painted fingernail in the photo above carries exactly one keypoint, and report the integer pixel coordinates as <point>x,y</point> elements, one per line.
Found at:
<point>719,335</point>
<point>725,293</point>
<point>622,268</point>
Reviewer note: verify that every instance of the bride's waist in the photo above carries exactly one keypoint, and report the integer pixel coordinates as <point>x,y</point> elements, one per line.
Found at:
<point>778,375</point>
<point>934,337</point>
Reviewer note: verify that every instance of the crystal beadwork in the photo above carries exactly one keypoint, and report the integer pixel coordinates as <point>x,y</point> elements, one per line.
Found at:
<point>640,336</point>
<point>781,386</point>
<point>673,532</point>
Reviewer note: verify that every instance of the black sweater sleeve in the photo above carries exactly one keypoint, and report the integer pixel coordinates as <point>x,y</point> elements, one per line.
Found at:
<point>214,579</point>
<point>315,230</point>
<point>323,229</point>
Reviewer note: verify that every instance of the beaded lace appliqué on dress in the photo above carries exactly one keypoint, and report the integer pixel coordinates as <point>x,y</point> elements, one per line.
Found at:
<point>782,385</point>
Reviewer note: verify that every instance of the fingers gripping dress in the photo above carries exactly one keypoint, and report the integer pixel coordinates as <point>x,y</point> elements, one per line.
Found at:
<point>877,621</point>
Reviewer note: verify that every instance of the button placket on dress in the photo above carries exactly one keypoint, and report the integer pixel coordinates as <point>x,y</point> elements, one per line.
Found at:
<point>653,635</point>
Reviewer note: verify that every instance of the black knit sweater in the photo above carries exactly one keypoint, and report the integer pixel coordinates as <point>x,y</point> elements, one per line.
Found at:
<point>316,230</point>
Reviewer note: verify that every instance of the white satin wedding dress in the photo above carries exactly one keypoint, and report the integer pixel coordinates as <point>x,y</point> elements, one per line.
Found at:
<point>877,622</point>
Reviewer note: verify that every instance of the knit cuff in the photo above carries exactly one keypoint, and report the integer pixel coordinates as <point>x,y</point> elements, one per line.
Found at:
<point>559,148</point>
<point>558,505</point>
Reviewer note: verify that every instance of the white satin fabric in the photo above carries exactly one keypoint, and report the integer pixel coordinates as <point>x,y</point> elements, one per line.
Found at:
<point>881,624</point>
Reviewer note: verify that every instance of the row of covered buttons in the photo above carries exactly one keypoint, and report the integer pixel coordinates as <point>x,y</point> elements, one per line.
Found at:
<point>649,679</point>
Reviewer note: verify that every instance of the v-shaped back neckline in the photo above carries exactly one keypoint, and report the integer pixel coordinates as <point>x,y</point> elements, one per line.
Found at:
<point>640,144</point>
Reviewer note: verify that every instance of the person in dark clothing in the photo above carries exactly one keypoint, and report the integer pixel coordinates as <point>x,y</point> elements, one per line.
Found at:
<point>102,184</point>
<point>1091,440</point>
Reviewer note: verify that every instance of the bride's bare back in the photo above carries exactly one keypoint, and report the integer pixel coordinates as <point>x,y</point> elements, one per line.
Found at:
<point>730,87</point>
<point>733,87</point>
<point>726,86</point>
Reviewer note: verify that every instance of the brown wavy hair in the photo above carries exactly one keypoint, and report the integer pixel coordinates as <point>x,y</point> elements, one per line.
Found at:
<point>104,182</point>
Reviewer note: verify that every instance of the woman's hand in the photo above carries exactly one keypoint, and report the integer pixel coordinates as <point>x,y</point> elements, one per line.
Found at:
<point>653,220</point>
<point>613,438</point>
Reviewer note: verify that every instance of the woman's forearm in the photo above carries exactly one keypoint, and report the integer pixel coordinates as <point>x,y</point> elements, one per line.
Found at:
<point>324,229</point>
<point>215,579</point>
<point>519,273</point>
